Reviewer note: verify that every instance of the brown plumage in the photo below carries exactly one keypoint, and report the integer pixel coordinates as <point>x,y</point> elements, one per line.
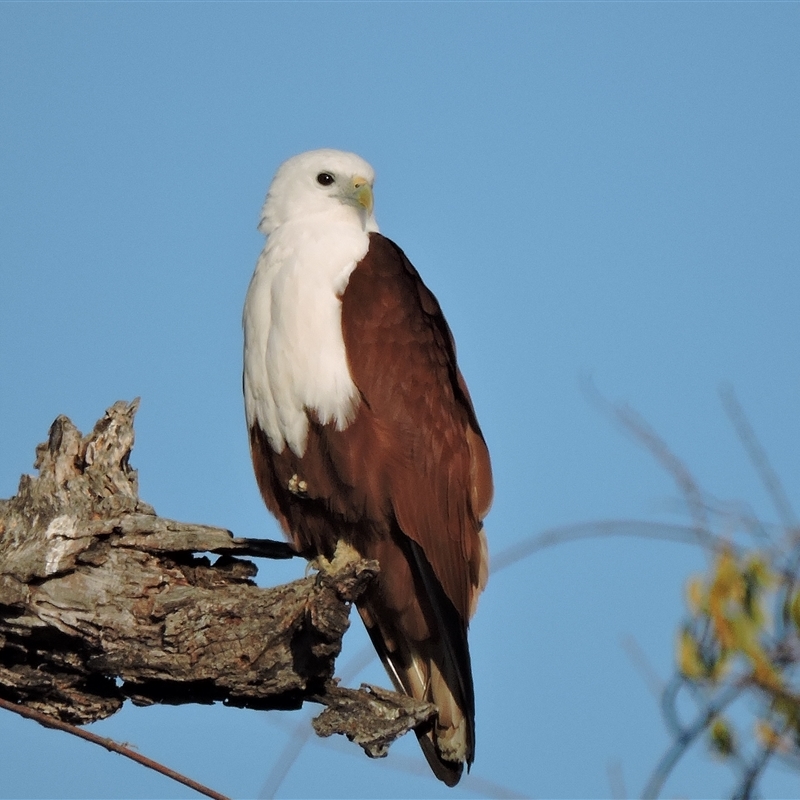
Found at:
<point>408,483</point>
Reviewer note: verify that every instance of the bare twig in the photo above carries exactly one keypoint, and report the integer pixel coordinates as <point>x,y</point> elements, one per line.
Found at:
<point>634,528</point>
<point>111,745</point>
<point>642,664</point>
<point>302,732</point>
<point>758,457</point>
<point>410,765</point>
<point>657,447</point>
<point>285,760</point>
<point>671,463</point>
<point>616,779</point>
<point>685,739</point>
<point>752,773</point>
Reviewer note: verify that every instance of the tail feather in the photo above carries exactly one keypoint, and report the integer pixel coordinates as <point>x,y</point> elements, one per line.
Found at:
<point>451,674</point>
<point>435,669</point>
<point>448,772</point>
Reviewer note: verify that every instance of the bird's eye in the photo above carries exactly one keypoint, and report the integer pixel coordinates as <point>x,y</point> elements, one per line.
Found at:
<point>325,179</point>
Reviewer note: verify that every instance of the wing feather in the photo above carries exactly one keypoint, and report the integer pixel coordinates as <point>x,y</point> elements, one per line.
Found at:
<point>402,359</point>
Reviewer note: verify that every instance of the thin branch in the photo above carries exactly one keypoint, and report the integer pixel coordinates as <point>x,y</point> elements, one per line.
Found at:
<point>775,691</point>
<point>410,765</point>
<point>752,774</point>
<point>758,457</point>
<point>286,759</point>
<point>616,780</point>
<point>642,664</point>
<point>640,529</point>
<point>685,739</point>
<point>657,447</point>
<point>757,766</point>
<point>111,745</point>
<point>670,462</point>
<point>300,736</point>
<point>669,706</point>
<point>302,731</point>
<point>257,548</point>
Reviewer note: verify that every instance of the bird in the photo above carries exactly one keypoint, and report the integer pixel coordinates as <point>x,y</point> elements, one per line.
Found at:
<point>362,431</point>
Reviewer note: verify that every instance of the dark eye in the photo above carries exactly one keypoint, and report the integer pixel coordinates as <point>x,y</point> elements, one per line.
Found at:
<point>325,179</point>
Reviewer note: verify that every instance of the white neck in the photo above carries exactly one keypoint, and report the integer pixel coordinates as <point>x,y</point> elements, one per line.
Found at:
<point>294,355</point>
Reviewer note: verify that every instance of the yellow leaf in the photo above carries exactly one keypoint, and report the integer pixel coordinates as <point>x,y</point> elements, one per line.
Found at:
<point>765,672</point>
<point>796,610</point>
<point>769,737</point>
<point>758,570</point>
<point>719,669</point>
<point>689,661</point>
<point>695,594</point>
<point>722,737</point>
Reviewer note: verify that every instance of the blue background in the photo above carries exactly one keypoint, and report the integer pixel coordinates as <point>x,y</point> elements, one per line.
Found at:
<point>603,192</point>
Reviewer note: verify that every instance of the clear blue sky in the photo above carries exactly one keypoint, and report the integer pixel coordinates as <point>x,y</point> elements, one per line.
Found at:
<point>608,190</point>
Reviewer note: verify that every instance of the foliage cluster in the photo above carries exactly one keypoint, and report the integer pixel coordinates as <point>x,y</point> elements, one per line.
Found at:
<point>738,650</point>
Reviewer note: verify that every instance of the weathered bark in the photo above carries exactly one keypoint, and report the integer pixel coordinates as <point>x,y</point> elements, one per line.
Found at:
<point>102,601</point>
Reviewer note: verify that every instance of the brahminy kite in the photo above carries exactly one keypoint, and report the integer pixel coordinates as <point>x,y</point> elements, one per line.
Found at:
<point>362,431</point>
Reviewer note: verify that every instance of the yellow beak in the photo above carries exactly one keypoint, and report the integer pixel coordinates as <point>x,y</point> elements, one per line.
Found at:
<point>362,193</point>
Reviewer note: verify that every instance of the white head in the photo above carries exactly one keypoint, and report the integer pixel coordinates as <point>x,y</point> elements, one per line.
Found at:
<point>320,182</point>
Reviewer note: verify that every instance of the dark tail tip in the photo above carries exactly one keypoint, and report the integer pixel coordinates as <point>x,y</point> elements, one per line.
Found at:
<point>448,772</point>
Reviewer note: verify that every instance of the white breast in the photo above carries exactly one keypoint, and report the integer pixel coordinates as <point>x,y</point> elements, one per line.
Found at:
<point>294,355</point>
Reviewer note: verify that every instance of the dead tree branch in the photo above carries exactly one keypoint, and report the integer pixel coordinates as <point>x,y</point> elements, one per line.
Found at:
<point>101,601</point>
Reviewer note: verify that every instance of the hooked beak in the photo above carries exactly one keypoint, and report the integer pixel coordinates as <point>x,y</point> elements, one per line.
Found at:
<point>361,193</point>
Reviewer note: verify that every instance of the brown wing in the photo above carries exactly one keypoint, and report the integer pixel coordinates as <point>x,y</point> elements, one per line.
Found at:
<point>427,451</point>
<point>402,359</point>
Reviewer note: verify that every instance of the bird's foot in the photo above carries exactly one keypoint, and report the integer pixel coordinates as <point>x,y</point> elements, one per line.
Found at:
<point>297,486</point>
<point>348,573</point>
<point>344,556</point>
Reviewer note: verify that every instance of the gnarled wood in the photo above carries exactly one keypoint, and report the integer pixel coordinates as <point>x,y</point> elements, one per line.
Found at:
<point>101,601</point>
